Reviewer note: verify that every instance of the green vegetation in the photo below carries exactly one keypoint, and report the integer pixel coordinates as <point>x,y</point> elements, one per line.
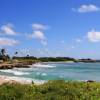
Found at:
<point>3,56</point>
<point>55,59</point>
<point>44,59</point>
<point>52,90</point>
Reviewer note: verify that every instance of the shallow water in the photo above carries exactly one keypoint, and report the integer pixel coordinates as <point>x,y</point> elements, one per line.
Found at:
<point>52,71</point>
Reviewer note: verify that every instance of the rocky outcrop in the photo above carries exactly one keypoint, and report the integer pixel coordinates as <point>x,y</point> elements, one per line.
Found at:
<point>15,65</point>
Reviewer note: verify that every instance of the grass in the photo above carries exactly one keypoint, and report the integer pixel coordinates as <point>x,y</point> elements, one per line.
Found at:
<point>52,90</point>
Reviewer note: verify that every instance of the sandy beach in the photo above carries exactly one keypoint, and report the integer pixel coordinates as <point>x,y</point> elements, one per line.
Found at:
<point>8,79</point>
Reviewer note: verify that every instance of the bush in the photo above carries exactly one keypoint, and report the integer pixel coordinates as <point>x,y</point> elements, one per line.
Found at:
<point>52,90</point>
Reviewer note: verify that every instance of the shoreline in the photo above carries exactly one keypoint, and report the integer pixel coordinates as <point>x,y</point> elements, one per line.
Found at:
<point>27,64</point>
<point>21,80</point>
<point>12,79</point>
<point>59,62</point>
<point>13,65</point>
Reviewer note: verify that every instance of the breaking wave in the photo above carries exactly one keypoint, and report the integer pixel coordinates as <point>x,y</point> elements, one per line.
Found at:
<point>22,79</point>
<point>15,72</point>
<point>43,66</point>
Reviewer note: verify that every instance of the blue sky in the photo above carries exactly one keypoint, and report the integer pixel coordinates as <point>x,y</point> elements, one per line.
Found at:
<point>51,27</point>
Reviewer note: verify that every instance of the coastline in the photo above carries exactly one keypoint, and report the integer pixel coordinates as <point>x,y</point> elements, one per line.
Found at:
<point>13,65</point>
<point>22,80</point>
<point>12,79</point>
<point>58,62</point>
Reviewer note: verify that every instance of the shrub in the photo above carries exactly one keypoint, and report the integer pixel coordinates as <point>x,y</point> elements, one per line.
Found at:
<point>52,90</point>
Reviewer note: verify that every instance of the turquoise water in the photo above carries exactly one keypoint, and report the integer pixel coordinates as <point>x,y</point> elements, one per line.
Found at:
<point>52,71</point>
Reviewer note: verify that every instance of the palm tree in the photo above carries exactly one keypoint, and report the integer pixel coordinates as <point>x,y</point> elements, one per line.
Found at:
<point>16,53</point>
<point>3,55</point>
<point>3,51</point>
<point>28,55</point>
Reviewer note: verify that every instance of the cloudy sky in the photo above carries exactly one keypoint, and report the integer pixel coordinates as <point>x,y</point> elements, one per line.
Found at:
<point>51,27</point>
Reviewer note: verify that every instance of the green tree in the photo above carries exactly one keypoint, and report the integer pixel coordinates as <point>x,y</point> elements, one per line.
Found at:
<point>3,51</point>
<point>16,53</point>
<point>3,55</point>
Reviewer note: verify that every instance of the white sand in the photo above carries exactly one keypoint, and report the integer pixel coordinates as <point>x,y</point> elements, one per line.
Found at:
<point>8,79</point>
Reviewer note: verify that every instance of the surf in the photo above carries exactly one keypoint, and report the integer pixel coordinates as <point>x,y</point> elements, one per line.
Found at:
<point>43,65</point>
<point>15,72</point>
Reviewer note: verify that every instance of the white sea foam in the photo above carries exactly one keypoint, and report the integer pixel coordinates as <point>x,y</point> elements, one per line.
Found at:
<point>38,73</point>
<point>23,69</point>
<point>15,72</point>
<point>44,74</point>
<point>43,66</point>
<point>22,80</point>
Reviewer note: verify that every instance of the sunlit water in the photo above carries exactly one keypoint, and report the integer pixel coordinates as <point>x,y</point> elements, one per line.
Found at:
<point>52,71</point>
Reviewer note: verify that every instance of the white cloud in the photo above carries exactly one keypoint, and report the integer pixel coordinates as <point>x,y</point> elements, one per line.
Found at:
<point>8,29</point>
<point>87,8</point>
<point>62,42</point>
<point>37,26</point>
<point>39,35</point>
<point>44,42</point>
<point>93,36</point>
<point>78,40</point>
<point>8,42</point>
<point>72,47</point>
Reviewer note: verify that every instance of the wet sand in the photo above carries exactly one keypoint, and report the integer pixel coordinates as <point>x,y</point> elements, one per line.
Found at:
<point>8,79</point>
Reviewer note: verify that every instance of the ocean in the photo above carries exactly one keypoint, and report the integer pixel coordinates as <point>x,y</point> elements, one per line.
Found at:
<point>56,71</point>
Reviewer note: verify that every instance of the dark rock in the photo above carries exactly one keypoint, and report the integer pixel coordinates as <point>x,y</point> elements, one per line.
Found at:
<point>90,81</point>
